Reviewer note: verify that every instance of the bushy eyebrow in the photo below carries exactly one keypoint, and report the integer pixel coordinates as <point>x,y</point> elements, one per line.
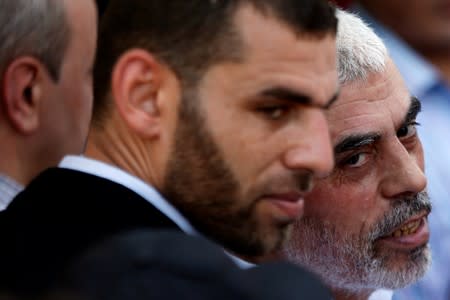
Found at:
<point>414,108</point>
<point>293,96</point>
<point>356,141</point>
<point>360,140</point>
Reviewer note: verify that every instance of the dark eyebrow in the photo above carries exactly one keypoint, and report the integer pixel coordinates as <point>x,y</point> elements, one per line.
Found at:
<point>292,96</point>
<point>414,108</point>
<point>356,141</point>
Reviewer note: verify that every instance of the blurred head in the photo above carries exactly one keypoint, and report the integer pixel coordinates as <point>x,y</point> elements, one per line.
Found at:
<point>425,24</point>
<point>365,225</point>
<point>46,60</point>
<point>221,107</point>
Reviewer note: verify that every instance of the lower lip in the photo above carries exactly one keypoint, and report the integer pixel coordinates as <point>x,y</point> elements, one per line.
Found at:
<point>411,241</point>
<point>291,210</point>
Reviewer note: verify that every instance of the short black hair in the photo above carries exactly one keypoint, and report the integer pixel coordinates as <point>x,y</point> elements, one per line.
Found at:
<point>190,35</point>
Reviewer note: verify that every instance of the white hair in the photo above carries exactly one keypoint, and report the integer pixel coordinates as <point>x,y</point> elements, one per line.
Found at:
<point>360,51</point>
<point>37,28</point>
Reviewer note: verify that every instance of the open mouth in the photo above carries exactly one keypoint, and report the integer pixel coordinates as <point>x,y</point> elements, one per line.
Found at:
<point>411,234</point>
<point>408,228</point>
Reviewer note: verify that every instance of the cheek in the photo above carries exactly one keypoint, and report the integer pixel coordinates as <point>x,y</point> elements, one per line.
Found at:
<point>420,158</point>
<point>247,157</point>
<point>349,207</point>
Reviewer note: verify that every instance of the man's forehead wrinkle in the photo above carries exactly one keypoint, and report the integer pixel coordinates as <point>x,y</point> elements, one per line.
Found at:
<point>343,110</point>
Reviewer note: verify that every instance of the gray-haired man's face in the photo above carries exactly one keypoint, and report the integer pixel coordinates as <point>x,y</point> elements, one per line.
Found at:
<point>365,226</point>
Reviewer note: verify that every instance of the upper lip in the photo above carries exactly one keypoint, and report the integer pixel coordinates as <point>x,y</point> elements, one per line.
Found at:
<point>412,219</point>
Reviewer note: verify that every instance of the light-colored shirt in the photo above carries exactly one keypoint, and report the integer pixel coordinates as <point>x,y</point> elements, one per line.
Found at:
<point>381,294</point>
<point>425,82</point>
<point>8,190</point>
<point>143,189</point>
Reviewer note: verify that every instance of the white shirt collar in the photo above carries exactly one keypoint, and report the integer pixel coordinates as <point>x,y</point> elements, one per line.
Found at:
<point>9,188</point>
<point>381,294</point>
<point>104,170</point>
<point>240,262</point>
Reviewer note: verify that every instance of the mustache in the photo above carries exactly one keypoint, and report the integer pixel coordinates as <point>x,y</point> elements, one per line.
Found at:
<point>300,180</point>
<point>403,209</point>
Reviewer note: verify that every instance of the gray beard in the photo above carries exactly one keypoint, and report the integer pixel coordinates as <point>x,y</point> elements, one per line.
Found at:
<point>351,263</point>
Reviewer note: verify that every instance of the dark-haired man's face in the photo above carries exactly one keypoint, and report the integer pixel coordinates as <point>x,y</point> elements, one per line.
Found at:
<point>252,135</point>
<point>365,226</point>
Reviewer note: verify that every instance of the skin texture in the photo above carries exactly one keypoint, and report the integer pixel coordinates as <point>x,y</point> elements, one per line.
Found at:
<point>226,151</point>
<point>375,187</point>
<point>47,119</point>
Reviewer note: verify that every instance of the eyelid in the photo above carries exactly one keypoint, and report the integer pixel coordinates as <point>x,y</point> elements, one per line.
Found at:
<point>413,123</point>
<point>369,149</point>
<point>342,162</point>
<point>278,108</point>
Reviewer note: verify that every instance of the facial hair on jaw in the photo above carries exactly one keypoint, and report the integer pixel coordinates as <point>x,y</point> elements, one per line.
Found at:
<point>200,184</point>
<point>203,188</point>
<point>351,262</point>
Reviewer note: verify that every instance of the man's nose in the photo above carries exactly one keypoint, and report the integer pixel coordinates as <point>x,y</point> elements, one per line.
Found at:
<point>311,148</point>
<point>404,175</point>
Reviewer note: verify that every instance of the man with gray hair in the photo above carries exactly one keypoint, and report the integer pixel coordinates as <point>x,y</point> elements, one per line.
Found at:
<point>47,52</point>
<point>365,225</point>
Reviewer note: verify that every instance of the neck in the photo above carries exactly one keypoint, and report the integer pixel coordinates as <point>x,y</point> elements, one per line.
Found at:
<point>351,295</point>
<point>117,146</point>
<point>16,162</point>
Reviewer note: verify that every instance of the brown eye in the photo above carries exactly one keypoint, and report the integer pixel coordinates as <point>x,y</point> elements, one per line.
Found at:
<point>356,160</point>
<point>275,112</point>
<point>407,131</point>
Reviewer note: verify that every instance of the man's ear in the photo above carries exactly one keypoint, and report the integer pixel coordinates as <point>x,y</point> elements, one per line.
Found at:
<point>22,94</point>
<point>136,83</point>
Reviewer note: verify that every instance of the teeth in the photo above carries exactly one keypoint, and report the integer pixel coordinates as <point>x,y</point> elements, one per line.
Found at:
<point>408,229</point>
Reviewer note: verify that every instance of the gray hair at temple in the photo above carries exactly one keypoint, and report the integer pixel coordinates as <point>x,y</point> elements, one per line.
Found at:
<point>37,28</point>
<point>360,51</point>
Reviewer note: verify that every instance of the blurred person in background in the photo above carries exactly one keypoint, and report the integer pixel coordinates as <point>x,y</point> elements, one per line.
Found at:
<point>365,226</point>
<point>47,53</point>
<point>417,35</point>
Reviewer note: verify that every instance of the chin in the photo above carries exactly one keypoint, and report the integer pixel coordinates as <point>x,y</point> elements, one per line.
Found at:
<point>401,269</point>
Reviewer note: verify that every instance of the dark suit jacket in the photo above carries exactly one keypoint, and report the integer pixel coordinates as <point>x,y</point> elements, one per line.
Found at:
<point>146,265</point>
<point>63,213</point>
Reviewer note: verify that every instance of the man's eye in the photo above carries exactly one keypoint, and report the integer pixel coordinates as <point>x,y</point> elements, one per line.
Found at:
<point>408,130</point>
<point>275,112</point>
<point>356,160</point>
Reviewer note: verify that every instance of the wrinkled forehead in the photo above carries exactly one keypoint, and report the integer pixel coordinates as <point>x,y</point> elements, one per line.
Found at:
<point>376,104</point>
